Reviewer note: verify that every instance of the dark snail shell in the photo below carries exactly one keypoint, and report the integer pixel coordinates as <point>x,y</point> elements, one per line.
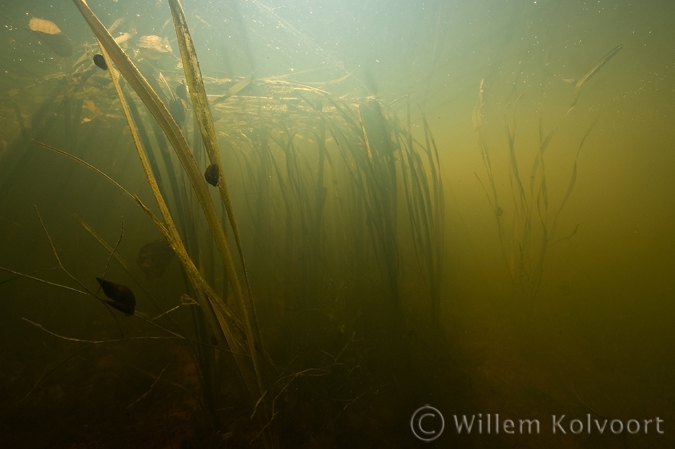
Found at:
<point>181,91</point>
<point>211,174</point>
<point>121,296</point>
<point>99,60</point>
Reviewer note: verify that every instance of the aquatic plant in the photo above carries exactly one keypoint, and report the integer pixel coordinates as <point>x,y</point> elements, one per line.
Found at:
<point>326,177</point>
<point>526,240</point>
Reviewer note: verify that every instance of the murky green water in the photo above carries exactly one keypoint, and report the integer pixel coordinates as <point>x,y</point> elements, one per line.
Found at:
<point>459,205</point>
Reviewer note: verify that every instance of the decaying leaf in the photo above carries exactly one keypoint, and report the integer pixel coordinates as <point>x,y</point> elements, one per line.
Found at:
<point>153,47</point>
<point>52,36</point>
<point>123,37</point>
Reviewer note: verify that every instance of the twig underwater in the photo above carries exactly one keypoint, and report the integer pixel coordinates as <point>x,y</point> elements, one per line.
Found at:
<point>114,250</point>
<point>173,336</point>
<point>152,386</point>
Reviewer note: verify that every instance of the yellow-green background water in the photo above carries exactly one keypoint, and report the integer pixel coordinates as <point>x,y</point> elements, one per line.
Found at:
<point>596,338</point>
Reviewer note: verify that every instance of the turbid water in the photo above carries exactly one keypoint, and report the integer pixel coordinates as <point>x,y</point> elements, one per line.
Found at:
<point>446,209</point>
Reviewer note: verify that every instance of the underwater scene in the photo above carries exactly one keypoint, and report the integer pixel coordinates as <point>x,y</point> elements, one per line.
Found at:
<point>330,224</point>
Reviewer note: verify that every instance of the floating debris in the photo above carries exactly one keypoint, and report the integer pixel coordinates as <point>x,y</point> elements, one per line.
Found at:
<point>153,47</point>
<point>123,37</point>
<point>52,36</point>
<point>99,60</point>
<point>235,88</point>
<point>121,296</point>
<point>211,174</point>
<point>154,257</point>
<point>115,24</point>
<point>201,19</point>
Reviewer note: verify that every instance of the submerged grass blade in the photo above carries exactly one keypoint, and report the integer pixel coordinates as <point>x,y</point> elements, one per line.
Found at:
<point>168,228</point>
<point>210,303</point>
<point>193,76</point>
<point>605,59</point>
<point>573,178</point>
<point>158,109</point>
<point>202,112</point>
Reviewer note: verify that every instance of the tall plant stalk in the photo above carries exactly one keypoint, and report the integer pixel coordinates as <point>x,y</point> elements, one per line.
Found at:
<point>533,217</point>
<point>211,303</point>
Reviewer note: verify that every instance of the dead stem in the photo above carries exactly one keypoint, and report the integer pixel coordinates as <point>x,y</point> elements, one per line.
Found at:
<point>47,374</point>
<point>344,348</point>
<point>18,274</point>
<point>91,167</point>
<point>58,259</point>
<point>312,372</point>
<point>112,253</point>
<point>349,402</point>
<point>173,336</point>
<point>97,342</point>
<point>122,263</point>
<point>144,395</point>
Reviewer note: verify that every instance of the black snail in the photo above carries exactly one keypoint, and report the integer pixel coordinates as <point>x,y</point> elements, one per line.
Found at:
<point>181,91</point>
<point>121,296</point>
<point>99,60</point>
<point>211,174</point>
